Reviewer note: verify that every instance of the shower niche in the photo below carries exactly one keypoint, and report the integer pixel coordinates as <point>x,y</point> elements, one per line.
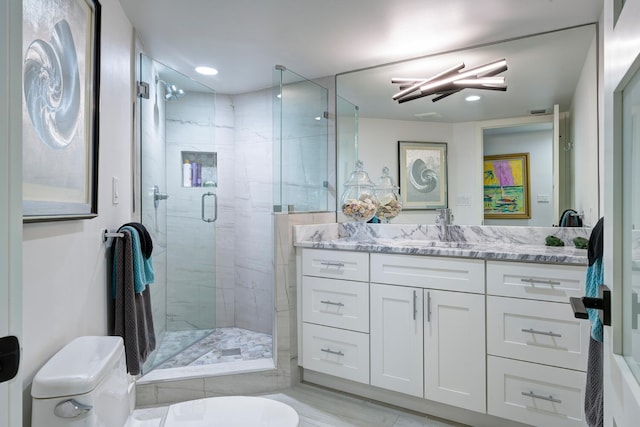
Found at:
<point>199,168</point>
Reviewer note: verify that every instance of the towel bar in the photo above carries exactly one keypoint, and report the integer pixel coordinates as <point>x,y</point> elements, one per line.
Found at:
<point>106,235</point>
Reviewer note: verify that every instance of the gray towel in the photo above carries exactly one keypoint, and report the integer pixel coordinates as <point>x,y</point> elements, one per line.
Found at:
<point>133,319</point>
<point>593,398</point>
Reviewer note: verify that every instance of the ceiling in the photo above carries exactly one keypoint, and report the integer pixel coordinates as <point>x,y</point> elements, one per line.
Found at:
<point>244,39</point>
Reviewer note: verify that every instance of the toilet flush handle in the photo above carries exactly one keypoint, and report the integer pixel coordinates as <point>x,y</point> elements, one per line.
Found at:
<point>71,408</point>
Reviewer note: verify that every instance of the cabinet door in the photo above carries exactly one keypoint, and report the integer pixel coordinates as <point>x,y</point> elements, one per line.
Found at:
<point>396,334</point>
<point>454,349</point>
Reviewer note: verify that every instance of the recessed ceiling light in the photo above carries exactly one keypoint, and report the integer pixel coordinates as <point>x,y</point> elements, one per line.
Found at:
<point>207,71</point>
<point>472,98</point>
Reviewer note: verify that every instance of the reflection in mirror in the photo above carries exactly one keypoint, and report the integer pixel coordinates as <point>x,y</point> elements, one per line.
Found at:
<point>536,140</point>
<point>544,70</point>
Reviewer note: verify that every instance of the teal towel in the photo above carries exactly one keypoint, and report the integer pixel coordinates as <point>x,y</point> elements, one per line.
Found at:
<point>595,277</point>
<point>143,273</point>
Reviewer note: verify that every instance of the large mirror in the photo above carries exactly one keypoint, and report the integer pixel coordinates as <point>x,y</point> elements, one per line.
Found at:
<point>550,101</point>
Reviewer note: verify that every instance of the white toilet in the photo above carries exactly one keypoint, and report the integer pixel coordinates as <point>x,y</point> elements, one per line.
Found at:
<point>86,384</point>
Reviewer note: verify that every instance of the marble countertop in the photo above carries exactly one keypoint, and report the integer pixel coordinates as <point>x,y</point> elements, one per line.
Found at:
<point>525,244</point>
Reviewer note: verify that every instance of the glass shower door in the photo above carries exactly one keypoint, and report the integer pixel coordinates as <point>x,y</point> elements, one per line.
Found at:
<point>178,206</point>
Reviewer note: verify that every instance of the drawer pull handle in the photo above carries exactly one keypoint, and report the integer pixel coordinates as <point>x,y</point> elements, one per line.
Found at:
<point>328,350</point>
<point>539,281</point>
<point>537,396</point>
<point>339,304</point>
<point>415,304</point>
<point>332,264</point>
<point>549,334</point>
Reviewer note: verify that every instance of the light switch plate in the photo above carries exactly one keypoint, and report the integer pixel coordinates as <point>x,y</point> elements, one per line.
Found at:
<point>115,197</point>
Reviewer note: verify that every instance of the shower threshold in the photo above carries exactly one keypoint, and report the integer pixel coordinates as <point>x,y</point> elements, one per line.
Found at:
<point>222,351</point>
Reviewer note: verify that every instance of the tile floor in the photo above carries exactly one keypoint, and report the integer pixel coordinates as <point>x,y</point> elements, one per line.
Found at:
<point>318,407</point>
<point>206,347</point>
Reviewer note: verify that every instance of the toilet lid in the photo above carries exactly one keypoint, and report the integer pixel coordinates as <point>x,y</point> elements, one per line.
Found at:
<point>231,411</point>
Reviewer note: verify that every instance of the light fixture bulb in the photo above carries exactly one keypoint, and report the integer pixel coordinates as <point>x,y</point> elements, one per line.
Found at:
<point>206,71</point>
<point>472,98</point>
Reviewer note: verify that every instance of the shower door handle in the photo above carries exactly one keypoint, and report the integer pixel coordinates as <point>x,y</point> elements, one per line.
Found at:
<point>215,207</point>
<point>157,196</point>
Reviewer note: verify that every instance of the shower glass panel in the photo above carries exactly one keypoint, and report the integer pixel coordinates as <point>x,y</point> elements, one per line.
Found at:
<point>178,205</point>
<point>301,137</point>
<point>347,142</point>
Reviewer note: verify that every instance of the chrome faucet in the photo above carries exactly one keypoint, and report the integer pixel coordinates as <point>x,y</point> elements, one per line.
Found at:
<point>443,220</point>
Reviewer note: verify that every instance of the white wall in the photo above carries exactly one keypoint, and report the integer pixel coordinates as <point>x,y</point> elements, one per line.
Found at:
<point>64,263</point>
<point>584,137</point>
<point>378,147</point>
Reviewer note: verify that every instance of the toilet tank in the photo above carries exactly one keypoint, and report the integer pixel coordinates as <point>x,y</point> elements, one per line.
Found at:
<point>89,372</point>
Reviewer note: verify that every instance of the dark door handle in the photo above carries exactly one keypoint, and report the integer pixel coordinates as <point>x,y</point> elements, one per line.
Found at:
<point>9,358</point>
<point>602,303</point>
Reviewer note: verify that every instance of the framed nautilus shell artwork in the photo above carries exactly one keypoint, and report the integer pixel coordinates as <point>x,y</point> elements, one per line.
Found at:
<point>423,174</point>
<point>61,41</point>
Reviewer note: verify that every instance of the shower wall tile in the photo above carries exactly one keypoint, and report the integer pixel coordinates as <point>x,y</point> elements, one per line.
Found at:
<point>190,126</point>
<point>286,284</point>
<point>225,225</point>
<point>180,391</point>
<point>253,208</point>
<point>239,384</point>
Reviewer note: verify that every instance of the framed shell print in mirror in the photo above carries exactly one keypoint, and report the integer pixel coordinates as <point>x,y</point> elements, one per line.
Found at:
<point>423,174</point>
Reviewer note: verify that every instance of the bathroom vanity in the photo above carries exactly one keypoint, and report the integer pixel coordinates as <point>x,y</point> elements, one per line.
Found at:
<point>480,324</point>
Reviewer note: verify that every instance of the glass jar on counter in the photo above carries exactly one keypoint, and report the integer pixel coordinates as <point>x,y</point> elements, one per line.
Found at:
<point>389,205</point>
<point>359,202</point>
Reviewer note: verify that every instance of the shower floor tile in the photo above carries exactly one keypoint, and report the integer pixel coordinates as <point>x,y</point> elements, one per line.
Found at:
<point>213,346</point>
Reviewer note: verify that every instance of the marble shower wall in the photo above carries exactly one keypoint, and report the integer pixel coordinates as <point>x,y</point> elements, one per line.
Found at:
<point>191,242</point>
<point>253,206</point>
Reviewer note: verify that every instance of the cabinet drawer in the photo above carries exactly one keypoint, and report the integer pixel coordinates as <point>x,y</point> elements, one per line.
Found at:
<point>338,303</point>
<point>537,331</point>
<point>535,394</point>
<point>336,264</point>
<point>428,272</point>
<point>344,354</point>
<point>550,282</point>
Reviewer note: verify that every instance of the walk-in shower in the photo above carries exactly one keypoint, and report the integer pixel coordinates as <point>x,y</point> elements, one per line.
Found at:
<point>216,173</point>
<point>197,310</point>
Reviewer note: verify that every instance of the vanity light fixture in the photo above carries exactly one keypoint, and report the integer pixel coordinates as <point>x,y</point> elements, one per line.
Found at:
<point>206,71</point>
<point>451,81</point>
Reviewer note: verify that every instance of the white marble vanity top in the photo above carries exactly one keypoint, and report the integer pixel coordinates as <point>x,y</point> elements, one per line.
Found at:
<point>525,244</point>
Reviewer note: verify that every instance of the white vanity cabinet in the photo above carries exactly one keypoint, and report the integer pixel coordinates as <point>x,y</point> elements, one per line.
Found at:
<point>335,313</point>
<point>397,339</point>
<point>493,337</point>
<point>537,350</point>
<point>428,328</point>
